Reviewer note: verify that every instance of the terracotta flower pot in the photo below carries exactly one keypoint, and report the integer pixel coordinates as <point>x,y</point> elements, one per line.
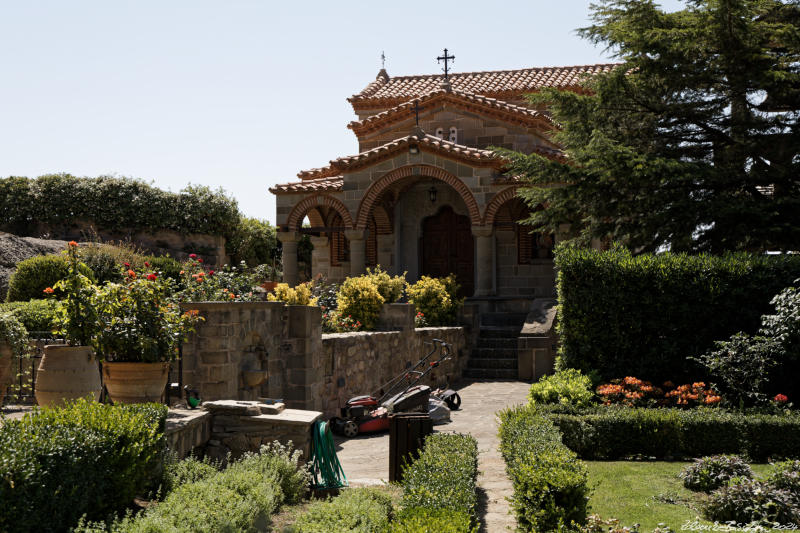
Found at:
<point>269,286</point>
<point>5,369</point>
<point>135,382</point>
<point>66,373</point>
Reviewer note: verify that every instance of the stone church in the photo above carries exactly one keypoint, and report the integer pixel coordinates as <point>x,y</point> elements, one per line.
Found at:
<point>424,194</point>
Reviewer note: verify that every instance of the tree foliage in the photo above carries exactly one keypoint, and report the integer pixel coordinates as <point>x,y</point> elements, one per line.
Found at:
<point>691,142</point>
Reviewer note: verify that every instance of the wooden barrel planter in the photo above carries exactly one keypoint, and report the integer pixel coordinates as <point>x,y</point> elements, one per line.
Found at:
<point>66,373</point>
<point>135,382</point>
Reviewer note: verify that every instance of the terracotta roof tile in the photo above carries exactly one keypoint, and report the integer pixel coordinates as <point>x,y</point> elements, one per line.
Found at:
<point>425,142</point>
<point>333,183</point>
<point>386,90</point>
<point>511,112</point>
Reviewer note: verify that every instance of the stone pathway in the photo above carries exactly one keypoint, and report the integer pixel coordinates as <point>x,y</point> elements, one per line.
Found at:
<point>365,459</point>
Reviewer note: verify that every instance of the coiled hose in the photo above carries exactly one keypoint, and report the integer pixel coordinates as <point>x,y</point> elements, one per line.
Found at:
<point>325,466</point>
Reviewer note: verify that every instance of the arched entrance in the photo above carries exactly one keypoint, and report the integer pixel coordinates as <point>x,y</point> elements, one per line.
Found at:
<point>447,247</point>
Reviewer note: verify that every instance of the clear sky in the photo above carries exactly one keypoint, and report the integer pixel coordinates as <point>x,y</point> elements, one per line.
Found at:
<point>236,94</point>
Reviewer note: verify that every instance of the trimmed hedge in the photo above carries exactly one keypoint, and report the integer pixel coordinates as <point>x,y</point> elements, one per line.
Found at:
<point>424,520</point>
<point>360,510</point>
<point>617,432</point>
<point>643,316</point>
<point>113,203</point>
<point>550,482</point>
<point>35,315</point>
<point>35,274</point>
<point>87,458</point>
<point>444,476</point>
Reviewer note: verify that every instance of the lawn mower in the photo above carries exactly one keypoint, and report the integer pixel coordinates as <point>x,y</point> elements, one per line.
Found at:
<point>403,394</point>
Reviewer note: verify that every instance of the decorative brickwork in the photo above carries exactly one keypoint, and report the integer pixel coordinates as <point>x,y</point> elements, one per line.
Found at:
<point>301,209</point>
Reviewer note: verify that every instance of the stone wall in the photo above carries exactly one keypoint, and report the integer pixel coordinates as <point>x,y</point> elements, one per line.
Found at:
<point>537,279</point>
<point>231,347</point>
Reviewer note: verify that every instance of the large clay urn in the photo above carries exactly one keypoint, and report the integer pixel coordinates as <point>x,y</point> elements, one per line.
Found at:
<point>135,382</point>
<point>66,373</point>
<point>6,358</point>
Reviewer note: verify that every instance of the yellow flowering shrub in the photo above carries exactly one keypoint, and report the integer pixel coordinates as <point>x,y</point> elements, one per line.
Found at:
<point>299,295</point>
<point>436,299</point>
<point>390,288</point>
<point>360,300</point>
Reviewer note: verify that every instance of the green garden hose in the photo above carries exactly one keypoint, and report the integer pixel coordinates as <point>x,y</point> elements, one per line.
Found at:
<point>325,466</point>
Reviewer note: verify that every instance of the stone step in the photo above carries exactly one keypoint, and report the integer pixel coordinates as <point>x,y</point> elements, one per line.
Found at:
<point>503,319</point>
<point>510,364</point>
<point>490,373</point>
<point>497,343</point>
<point>493,353</point>
<point>498,332</point>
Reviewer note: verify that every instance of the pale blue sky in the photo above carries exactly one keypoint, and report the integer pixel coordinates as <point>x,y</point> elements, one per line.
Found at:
<point>236,94</point>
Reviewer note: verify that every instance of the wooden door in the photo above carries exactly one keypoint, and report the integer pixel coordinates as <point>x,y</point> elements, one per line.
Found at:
<point>447,247</point>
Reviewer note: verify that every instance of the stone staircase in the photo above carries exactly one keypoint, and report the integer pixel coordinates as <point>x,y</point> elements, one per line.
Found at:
<point>495,356</point>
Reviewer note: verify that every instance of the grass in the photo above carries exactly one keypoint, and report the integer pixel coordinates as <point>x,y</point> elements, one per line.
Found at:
<point>646,492</point>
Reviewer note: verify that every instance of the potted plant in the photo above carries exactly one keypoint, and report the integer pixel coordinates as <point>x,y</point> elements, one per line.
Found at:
<point>141,326</point>
<point>14,342</point>
<point>69,371</point>
<point>266,276</point>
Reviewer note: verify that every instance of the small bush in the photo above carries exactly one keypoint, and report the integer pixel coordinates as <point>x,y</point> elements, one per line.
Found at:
<point>35,315</point>
<point>390,288</point>
<point>360,299</point>
<point>359,510</point>
<point>299,295</point>
<point>712,472</point>
<point>750,501</point>
<point>188,470</point>
<point>252,241</point>
<point>437,299</point>
<point>424,520</point>
<point>567,386</point>
<point>37,273</point>
<point>786,476</point>
<point>550,483</point>
<point>444,475</point>
<point>87,458</point>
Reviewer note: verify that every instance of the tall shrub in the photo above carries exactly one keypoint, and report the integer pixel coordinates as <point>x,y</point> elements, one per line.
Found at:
<point>437,299</point>
<point>646,315</point>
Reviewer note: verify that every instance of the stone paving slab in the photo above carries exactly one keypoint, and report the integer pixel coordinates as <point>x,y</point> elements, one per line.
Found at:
<point>365,459</point>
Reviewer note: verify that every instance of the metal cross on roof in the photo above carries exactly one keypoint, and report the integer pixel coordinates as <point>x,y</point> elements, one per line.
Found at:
<point>416,111</point>
<point>383,60</point>
<point>445,58</point>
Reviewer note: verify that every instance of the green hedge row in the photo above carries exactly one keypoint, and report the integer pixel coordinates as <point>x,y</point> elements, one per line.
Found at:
<point>442,478</point>
<point>87,458</point>
<point>643,316</point>
<point>550,482</point>
<point>617,432</point>
<point>113,203</point>
<point>35,315</point>
<point>359,510</point>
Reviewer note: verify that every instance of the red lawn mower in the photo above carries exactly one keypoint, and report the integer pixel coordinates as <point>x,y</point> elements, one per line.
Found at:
<point>369,414</point>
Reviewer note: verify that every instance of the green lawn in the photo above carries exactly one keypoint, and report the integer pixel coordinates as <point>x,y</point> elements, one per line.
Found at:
<point>645,492</point>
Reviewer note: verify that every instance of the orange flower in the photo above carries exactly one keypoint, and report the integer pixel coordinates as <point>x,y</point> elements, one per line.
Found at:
<point>49,290</point>
<point>232,296</point>
<point>131,274</point>
<point>73,243</point>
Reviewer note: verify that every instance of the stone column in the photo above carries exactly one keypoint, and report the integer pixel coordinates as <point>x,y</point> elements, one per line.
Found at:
<point>289,240</point>
<point>320,256</point>
<point>358,251</point>
<point>484,260</point>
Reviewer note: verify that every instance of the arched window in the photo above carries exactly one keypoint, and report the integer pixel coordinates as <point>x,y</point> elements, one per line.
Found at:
<point>530,246</point>
<point>440,133</point>
<point>453,134</point>
<point>372,243</point>
<point>339,246</point>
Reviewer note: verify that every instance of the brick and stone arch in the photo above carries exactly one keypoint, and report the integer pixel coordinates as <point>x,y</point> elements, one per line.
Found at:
<point>497,202</point>
<point>302,208</point>
<point>376,190</point>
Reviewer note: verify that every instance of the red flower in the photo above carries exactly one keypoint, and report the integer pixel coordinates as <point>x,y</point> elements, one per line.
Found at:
<point>147,264</point>
<point>210,272</point>
<point>780,398</point>
<point>199,259</point>
<point>192,256</point>
<point>127,265</point>
<point>151,277</point>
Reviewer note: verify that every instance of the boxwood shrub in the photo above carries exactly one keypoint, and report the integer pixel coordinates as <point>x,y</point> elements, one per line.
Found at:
<point>444,476</point>
<point>35,274</point>
<point>35,315</point>
<point>645,315</point>
<point>87,458</point>
<point>425,520</point>
<point>617,432</point>
<point>550,482</point>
